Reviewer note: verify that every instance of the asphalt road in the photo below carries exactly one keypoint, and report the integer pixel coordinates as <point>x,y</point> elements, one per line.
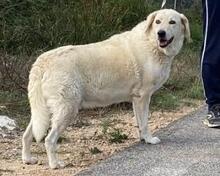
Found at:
<point>188,148</point>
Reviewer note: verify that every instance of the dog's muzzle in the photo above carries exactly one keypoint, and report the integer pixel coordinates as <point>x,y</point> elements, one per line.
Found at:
<point>163,41</point>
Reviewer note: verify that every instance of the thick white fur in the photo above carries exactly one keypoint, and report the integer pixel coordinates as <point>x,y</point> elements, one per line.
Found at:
<point>126,67</point>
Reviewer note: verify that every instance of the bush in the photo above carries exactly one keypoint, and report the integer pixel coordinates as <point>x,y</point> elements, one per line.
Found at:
<point>29,26</point>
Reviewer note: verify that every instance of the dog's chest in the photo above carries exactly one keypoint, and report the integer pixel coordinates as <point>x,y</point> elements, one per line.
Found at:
<point>159,74</point>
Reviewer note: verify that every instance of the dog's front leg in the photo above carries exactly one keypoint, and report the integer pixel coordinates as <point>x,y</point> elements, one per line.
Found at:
<point>141,111</point>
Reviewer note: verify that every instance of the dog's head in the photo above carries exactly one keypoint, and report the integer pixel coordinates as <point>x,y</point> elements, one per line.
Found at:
<point>168,28</point>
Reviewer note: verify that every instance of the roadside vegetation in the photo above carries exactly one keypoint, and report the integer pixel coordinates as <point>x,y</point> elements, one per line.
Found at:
<point>31,27</point>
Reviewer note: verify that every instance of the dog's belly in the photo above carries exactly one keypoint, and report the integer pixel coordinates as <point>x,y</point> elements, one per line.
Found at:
<point>101,98</point>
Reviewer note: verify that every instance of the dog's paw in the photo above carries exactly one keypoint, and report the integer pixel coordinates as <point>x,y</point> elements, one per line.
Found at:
<point>31,160</point>
<point>57,165</point>
<point>152,140</point>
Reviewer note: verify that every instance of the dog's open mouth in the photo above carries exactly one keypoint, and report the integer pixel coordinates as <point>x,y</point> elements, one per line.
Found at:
<point>164,42</point>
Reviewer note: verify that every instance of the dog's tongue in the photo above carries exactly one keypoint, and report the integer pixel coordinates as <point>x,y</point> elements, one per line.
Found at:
<point>163,43</point>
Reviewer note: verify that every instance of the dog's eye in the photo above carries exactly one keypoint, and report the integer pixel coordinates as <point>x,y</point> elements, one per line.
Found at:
<point>172,22</point>
<point>157,21</point>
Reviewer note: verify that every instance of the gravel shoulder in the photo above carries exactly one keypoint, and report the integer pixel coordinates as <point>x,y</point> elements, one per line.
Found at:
<point>86,141</point>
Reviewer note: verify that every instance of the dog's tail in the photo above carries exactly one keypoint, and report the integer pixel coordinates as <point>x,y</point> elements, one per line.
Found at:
<point>40,114</point>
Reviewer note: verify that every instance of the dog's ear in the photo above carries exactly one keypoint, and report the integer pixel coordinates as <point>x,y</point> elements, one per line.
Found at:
<point>150,20</point>
<point>185,23</point>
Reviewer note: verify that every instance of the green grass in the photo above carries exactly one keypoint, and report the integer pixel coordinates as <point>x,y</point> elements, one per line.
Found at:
<point>114,135</point>
<point>105,125</point>
<point>168,99</point>
<point>95,150</point>
<point>117,136</point>
<point>165,100</point>
<point>196,91</point>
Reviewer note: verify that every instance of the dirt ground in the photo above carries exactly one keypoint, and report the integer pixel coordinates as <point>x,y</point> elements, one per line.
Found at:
<point>84,143</point>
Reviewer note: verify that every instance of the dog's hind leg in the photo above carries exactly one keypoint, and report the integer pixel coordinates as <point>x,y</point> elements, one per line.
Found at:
<point>26,143</point>
<point>60,120</point>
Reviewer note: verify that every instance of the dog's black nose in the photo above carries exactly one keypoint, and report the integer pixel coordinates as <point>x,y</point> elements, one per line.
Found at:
<point>161,33</point>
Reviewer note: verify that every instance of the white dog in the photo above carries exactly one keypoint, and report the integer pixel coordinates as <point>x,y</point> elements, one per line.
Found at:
<point>129,66</point>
